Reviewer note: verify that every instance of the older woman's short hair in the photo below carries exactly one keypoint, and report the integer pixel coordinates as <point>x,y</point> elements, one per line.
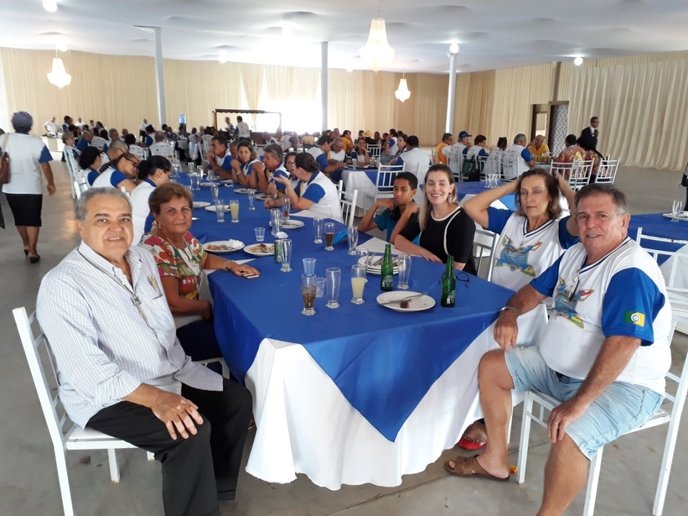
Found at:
<point>22,121</point>
<point>165,193</point>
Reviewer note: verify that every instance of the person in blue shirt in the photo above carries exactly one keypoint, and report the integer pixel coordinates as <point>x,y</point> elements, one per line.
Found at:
<point>148,140</point>
<point>90,162</point>
<point>84,140</point>
<point>247,166</point>
<point>391,215</point>
<point>220,157</point>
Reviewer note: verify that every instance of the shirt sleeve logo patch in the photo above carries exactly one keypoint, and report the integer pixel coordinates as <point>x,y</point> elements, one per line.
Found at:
<point>636,318</point>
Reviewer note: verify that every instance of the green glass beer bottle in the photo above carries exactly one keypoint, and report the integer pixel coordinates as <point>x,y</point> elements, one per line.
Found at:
<point>448,284</point>
<point>387,269</point>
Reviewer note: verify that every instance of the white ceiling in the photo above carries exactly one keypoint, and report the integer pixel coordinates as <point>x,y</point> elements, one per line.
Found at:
<point>492,33</point>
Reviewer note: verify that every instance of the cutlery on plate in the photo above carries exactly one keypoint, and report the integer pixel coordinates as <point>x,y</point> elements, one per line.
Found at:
<point>407,298</point>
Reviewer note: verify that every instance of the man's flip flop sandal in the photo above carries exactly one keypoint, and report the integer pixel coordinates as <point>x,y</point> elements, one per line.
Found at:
<point>470,467</point>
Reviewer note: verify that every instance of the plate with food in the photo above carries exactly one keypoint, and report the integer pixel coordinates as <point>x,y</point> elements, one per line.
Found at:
<point>223,246</point>
<point>290,224</point>
<point>373,264</point>
<point>242,190</point>
<point>200,204</point>
<point>406,301</point>
<point>260,249</point>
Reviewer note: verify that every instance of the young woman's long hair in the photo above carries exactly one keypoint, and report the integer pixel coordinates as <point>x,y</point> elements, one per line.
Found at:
<point>426,207</point>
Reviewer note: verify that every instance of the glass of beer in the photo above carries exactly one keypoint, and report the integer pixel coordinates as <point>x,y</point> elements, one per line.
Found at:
<point>308,291</point>
<point>329,236</point>
<point>234,209</point>
<point>358,281</point>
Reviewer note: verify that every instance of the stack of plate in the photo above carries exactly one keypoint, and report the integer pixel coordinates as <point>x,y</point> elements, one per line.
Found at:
<point>375,264</point>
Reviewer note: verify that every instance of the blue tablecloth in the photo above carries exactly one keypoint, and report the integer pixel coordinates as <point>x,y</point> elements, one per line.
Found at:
<point>382,361</point>
<point>656,224</point>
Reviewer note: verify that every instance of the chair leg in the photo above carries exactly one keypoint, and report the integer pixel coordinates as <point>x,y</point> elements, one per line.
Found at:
<point>63,479</point>
<point>114,468</point>
<point>525,438</point>
<point>665,468</point>
<point>593,480</point>
<point>225,369</point>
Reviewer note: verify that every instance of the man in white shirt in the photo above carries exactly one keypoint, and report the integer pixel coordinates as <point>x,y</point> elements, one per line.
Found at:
<point>415,161</point>
<point>603,354</point>
<point>50,127</point>
<point>122,370</point>
<point>337,150</point>
<point>243,130</point>
<point>517,158</point>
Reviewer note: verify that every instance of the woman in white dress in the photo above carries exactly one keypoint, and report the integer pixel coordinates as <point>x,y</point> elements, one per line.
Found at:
<point>153,172</point>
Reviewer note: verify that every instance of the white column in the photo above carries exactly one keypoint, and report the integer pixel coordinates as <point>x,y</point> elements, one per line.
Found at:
<point>323,82</point>
<point>451,93</point>
<point>159,79</point>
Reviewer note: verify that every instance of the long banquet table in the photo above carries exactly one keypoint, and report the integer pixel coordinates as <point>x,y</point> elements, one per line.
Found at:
<point>360,394</point>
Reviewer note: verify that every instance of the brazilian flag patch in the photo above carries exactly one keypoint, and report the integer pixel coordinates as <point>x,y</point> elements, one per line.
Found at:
<point>636,318</point>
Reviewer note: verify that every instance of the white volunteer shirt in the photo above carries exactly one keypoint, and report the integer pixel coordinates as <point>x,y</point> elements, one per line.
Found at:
<point>26,155</point>
<point>104,345</point>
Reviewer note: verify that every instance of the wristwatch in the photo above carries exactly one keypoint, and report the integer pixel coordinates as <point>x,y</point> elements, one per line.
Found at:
<point>507,307</point>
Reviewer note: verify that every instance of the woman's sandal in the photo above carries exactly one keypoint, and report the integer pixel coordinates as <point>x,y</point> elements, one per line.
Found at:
<point>470,467</point>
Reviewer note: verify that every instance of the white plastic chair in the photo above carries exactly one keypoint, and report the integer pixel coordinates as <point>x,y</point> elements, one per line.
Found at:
<point>347,203</point>
<point>63,433</point>
<point>165,149</point>
<point>580,174</point>
<point>484,245</point>
<point>563,168</point>
<point>384,184</point>
<point>138,151</point>
<point>455,162</point>
<point>98,142</point>
<point>606,173</point>
<point>510,162</point>
<point>664,415</point>
<point>493,164</point>
<point>76,175</point>
<point>374,150</point>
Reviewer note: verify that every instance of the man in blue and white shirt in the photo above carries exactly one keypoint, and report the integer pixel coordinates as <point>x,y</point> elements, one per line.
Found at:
<point>122,370</point>
<point>603,355</point>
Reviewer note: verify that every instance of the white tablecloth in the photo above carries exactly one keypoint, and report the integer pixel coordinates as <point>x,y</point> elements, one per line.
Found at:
<point>358,180</point>
<point>305,425</point>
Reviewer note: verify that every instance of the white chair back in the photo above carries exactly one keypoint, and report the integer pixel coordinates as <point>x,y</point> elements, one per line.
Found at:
<point>384,184</point>
<point>98,142</point>
<point>165,149</point>
<point>510,162</point>
<point>205,144</point>
<point>455,162</point>
<point>481,161</point>
<point>77,176</point>
<point>374,150</point>
<point>669,413</point>
<point>493,163</point>
<point>484,246</point>
<point>580,174</point>
<point>63,433</point>
<point>347,203</point>
<point>606,173</point>
<point>138,151</point>
<point>563,168</point>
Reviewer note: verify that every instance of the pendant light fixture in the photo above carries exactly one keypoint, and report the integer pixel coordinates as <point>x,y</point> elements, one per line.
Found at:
<point>402,93</point>
<point>58,76</point>
<point>377,53</point>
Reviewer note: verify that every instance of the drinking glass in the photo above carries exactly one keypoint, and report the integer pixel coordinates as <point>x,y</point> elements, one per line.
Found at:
<point>214,192</point>
<point>234,208</point>
<point>309,266</point>
<point>676,208</point>
<point>358,281</point>
<point>260,234</point>
<point>333,279</point>
<point>285,246</point>
<point>404,275</point>
<point>317,230</point>
<point>285,208</point>
<point>319,287</point>
<point>352,239</point>
<point>329,236</point>
<point>251,198</point>
<point>220,211</point>
<point>275,219</point>
<point>308,293</point>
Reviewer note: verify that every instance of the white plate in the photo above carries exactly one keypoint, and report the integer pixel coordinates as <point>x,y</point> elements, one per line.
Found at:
<point>681,216</point>
<point>226,182</point>
<point>206,183</point>
<point>417,304</point>
<point>242,190</point>
<point>212,208</point>
<point>223,246</point>
<point>200,204</point>
<point>290,224</point>
<point>261,196</point>
<point>377,269</point>
<point>260,249</point>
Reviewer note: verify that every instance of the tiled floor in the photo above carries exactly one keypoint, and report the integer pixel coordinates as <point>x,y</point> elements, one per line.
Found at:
<point>28,482</point>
